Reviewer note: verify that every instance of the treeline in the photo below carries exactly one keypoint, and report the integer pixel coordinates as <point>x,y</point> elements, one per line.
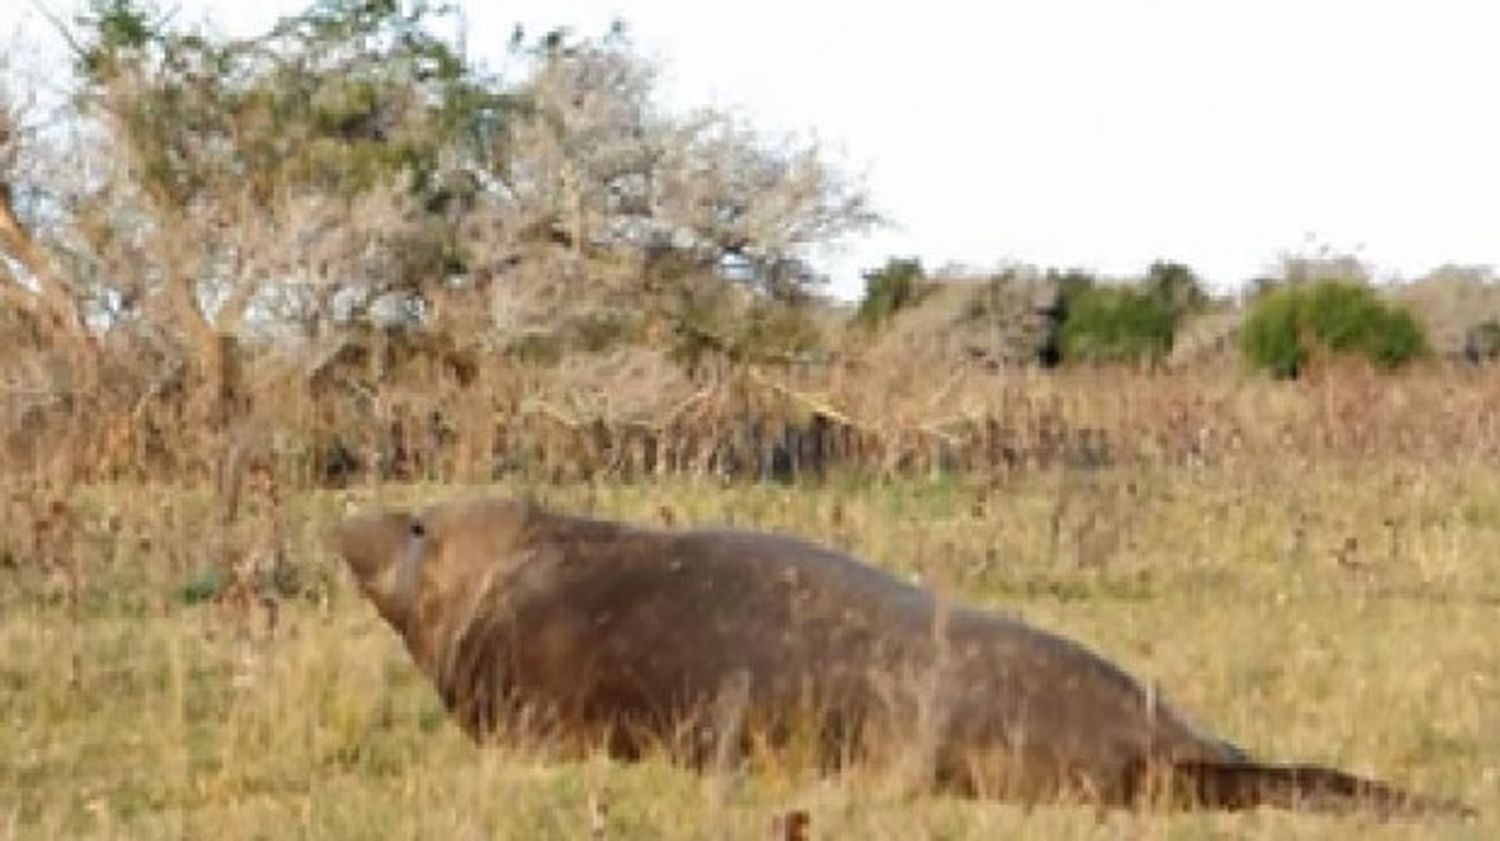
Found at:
<point>1316,310</point>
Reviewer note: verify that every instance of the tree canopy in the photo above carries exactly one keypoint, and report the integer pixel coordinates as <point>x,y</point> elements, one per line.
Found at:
<point>353,162</point>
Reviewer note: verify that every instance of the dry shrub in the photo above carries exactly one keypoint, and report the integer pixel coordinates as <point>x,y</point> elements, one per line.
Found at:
<point>1450,301</point>
<point>429,414</point>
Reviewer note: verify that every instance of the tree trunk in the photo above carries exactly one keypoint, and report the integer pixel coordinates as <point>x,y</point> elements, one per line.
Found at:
<point>52,303</point>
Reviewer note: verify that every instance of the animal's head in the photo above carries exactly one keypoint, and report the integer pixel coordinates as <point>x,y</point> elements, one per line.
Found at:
<point>408,563</point>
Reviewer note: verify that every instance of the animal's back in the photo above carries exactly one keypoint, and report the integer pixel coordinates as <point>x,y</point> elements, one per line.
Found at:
<point>673,620</point>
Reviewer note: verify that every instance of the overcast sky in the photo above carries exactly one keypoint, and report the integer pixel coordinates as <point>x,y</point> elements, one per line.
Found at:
<point>1094,133</point>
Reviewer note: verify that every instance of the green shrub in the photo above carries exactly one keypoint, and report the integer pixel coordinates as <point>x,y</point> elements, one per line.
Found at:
<point>1111,323</point>
<point>1341,316</point>
<point>1399,340</point>
<point>1270,337</point>
<point>890,288</point>
<point>1286,326</point>
<point>1115,324</point>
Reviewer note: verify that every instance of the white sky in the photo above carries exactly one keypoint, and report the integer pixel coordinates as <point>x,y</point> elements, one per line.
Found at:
<point>1093,133</point>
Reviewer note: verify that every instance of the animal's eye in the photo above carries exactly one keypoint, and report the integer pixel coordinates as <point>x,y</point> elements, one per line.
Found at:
<point>417,529</point>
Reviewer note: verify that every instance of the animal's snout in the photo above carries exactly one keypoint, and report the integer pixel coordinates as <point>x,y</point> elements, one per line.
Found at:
<point>370,543</point>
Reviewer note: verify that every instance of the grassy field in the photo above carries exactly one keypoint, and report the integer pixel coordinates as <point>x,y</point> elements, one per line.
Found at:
<point>1338,612</point>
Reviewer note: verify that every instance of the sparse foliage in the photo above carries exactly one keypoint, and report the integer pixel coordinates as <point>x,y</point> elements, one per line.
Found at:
<point>1176,286</point>
<point>266,177</point>
<point>605,193</point>
<point>890,288</point>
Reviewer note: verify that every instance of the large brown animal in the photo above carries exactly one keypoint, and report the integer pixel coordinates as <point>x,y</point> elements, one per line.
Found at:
<point>706,643</point>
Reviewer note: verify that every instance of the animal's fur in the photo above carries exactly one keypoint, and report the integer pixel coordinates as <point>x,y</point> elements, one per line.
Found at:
<point>594,632</point>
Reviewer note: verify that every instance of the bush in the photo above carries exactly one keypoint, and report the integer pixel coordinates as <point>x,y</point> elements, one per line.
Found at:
<point>1269,338</point>
<point>1175,285</point>
<point>1115,324</point>
<point>1069,284</point>
<point>1286,326</point>
<point>1482,342</point>
<point>1400,340</point>
<point>890,288</point>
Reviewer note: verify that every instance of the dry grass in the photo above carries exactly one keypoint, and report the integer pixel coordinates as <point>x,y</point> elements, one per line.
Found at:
<point>1342,612</point>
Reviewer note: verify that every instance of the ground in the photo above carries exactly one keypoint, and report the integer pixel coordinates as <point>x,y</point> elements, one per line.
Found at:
<point>1339,612</point>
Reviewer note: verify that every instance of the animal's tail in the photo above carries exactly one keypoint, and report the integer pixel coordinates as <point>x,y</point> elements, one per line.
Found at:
<point>1243,785</point>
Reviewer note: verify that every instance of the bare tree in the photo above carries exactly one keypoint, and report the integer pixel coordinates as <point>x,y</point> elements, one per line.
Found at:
<point>599,165</point>
<point>604,192</point>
